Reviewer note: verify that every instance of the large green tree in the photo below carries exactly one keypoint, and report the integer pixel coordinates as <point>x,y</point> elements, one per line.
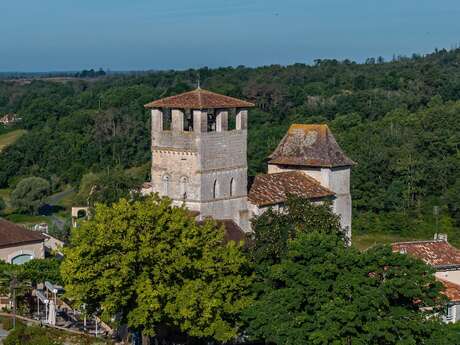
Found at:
<point>155,266</point>
<point>325,293</point>
<point>30,193</point>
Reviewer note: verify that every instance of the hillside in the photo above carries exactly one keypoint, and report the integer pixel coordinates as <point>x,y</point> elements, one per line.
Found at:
<point>10,137</point>
<point>398,120</point>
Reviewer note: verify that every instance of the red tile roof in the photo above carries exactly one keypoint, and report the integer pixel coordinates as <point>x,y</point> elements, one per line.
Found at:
<point>451,290</point>
<point>232,231</point>
<point>199,99</point>
<point>436,253</point>
<point>272,189</point>
<point>309,145</point>
<point>12,235</point>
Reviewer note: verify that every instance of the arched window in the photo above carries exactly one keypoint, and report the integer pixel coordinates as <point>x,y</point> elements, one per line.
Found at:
<point>215,189</point>
<point>232,187</point>
<point>183,187</point>
<point>166,179</point>
<point>21,259</point>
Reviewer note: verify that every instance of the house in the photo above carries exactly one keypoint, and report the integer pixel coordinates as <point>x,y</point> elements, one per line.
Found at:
<point>445,259</point>
<point>9,119</point>
<point>199,158</point>
<point>19,245</point>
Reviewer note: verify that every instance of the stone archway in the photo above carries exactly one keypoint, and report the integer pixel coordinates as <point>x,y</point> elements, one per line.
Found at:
<point>79,212</point>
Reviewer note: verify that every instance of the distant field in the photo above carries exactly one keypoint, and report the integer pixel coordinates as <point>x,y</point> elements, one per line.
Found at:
<point>10,137</point>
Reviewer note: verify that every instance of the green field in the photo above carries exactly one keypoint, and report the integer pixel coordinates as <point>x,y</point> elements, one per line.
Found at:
<point>10,137</point>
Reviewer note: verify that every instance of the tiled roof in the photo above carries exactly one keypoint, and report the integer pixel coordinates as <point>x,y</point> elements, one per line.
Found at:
<point>451,290</point>
<point>13,235</point>
<point>436,253</point>
<point>272,189</point>
<point>199,99</point>
<point>309,145</point>
<point>232,231</point>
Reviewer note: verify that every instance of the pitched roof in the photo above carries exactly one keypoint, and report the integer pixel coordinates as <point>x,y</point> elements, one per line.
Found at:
<point>437,253</point>
<point>232,231</point>
<point>199,99</point>
<point>309,145</point>
<point>451,290</point>
<point>13,235</point>
<point>271,189</point>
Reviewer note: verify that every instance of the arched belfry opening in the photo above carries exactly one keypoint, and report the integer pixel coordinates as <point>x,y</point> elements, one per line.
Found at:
<point>232,187</point>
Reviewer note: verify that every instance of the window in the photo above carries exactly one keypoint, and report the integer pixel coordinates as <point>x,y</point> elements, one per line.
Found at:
<point>215,190</point>
<point>167,119</point>
<point>188,121</point>
<point>232,187</point>
<point>183,187</point>
<point>212,121</point>
<point>21,259</point>
<point>166,179</point>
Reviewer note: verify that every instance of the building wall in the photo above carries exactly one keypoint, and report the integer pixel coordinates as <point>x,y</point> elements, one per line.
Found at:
<point>36,250</point>
<point>208,162</point>
<point>337,180</point>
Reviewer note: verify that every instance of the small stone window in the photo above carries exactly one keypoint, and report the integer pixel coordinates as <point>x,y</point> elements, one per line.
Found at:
<point>183,187</point>
<point>232,187</point>
<point>215,190</point>
<point>166,179</point>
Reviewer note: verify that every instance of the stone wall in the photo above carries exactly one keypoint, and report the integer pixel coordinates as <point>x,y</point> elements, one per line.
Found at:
<point>36,250</point>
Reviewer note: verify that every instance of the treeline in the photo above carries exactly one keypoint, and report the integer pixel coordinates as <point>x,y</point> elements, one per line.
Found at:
<point>398,120</point>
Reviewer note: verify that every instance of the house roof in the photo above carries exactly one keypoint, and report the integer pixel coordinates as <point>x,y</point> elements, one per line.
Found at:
<point>451,290</point>
<point>272,189</point>
<point>199,99</point>
<point>437,253</point>
<point>12,235</point>
<point>232,231</point>
<point>309,145</point>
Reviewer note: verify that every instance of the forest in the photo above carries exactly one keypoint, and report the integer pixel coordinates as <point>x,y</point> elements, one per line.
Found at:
<point>398,120</point>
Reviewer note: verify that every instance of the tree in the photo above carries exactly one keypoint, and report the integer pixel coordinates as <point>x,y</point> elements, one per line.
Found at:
<point>2,205</point>
<point>108,187</point>
<point>14,283</point>
<point>30,193</point>
<point>273,228</point>
<point>155,266</point>
<point>325,293</point>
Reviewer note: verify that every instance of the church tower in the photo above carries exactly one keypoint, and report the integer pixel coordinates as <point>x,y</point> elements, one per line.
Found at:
<point>199,153</point>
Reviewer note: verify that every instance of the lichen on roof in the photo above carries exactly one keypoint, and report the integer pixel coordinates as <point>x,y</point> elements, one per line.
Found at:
<point>310,145</point>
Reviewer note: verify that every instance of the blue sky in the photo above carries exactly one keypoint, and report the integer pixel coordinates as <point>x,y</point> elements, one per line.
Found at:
<point>44,35</point>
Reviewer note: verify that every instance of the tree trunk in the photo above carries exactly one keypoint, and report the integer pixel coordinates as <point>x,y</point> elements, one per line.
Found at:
<point>145,339</point>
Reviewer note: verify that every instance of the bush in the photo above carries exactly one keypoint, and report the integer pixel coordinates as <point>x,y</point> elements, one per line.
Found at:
<point>7,323</point>
<point>29,195</point>
<point>34,335</point>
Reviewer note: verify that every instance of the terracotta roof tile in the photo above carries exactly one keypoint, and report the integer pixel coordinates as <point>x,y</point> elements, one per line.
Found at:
<point>451,290</point>
<point>272,189</point>
<point>232,231</point>
<point>309,145</point>
<point>12,234</point>
<point>199,99</point>
<point>436,253</point>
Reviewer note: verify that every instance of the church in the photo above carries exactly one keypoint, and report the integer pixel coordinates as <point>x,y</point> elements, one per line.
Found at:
<point>199,157</point>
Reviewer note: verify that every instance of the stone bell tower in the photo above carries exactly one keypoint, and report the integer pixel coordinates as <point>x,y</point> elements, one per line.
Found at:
<point>199,153</point>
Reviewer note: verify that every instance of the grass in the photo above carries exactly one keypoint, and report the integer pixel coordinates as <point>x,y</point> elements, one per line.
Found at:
<point>10,137</point>
<point>27,219</point>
